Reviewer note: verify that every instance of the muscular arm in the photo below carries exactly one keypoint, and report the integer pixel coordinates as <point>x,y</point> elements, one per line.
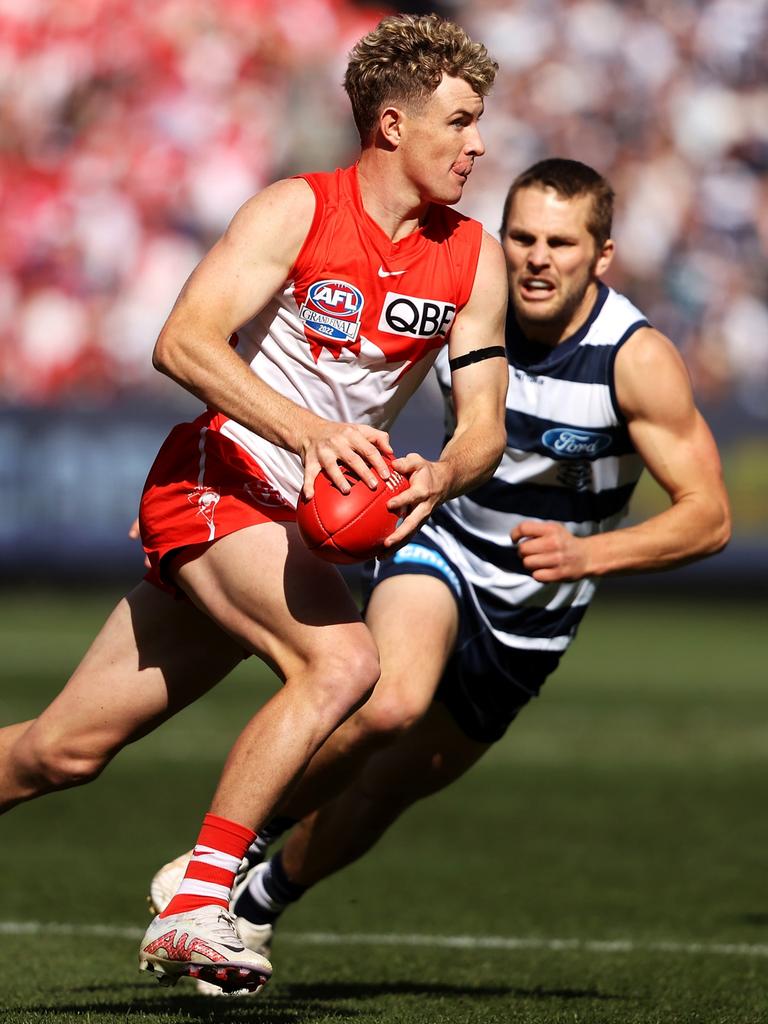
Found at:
<point>654,393</point>
<point>233,282</point>
<point>479,390</point>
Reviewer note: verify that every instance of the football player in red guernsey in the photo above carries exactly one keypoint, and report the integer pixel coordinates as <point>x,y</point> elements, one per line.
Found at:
<point>303,331</point>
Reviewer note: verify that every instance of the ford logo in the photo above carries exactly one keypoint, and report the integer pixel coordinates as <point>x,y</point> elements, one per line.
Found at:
<point>572,443</point>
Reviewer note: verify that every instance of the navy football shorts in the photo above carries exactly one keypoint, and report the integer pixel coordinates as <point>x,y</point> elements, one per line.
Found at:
<point>485,683</point>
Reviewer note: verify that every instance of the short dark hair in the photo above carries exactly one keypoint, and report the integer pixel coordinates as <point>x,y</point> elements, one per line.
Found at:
<point>569,178</point>
<point>403,60</point>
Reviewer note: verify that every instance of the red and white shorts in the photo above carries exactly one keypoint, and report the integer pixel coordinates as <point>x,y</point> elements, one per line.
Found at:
<point>202,486</point>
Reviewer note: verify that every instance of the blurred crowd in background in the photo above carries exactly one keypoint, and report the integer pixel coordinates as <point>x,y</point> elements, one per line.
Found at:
<point>129,135</point>
<point>130,132</point>
<point>668,98</point>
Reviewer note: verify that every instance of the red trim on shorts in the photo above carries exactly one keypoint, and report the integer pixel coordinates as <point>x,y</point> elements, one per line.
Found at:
<point>201,487</point>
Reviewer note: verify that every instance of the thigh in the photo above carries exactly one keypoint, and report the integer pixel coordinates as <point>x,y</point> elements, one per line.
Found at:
<point>414,620</point>
<point>265,589</point>
<point>153,656</point>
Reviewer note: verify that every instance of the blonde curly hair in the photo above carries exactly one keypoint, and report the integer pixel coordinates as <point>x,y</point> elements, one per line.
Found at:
<point>402,62</point>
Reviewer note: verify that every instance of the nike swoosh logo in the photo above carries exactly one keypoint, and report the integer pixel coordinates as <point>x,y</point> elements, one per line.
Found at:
<point>390,273</point>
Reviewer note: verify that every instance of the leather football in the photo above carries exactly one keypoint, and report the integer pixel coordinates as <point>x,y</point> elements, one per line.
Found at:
<point>348,528</point>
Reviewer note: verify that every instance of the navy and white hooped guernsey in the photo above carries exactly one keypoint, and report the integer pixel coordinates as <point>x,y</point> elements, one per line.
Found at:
<point>569,458</point>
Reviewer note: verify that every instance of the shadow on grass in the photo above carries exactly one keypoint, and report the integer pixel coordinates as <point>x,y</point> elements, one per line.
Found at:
<point>297,1002</point>
<point>363,990</point>
<point>757,918</point>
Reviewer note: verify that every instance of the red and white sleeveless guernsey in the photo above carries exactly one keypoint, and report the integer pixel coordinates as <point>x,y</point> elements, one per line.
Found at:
<point>351,336</point>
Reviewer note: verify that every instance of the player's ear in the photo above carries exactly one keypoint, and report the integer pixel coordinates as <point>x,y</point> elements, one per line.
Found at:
<point>604,257</point>
<point>391,126</point>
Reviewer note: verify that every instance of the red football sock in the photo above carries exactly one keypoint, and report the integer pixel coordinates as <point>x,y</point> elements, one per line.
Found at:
<point>211,871</point>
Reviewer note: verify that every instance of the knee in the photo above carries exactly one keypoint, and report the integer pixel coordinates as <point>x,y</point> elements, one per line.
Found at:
<point>349,676</point>
<point>391,711</point>
<point>50,765</point>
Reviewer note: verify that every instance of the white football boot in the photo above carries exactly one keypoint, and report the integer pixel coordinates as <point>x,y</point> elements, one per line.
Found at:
<point>203,945</point>
<point>257,937</point>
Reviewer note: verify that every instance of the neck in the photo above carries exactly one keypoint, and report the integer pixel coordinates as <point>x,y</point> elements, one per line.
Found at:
<point>388,197</point>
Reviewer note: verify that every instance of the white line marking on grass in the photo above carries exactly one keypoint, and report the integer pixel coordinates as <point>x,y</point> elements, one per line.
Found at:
<point>479,942</point>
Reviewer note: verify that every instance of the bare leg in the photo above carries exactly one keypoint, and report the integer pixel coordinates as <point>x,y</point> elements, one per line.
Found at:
<point>266,590</point>
<point>413,620</point>
<point>152,657</point>
<point>429,757</point>
<point>262,592</point>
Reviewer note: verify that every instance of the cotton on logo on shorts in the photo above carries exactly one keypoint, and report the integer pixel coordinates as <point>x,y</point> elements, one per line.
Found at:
<point>206,499</point>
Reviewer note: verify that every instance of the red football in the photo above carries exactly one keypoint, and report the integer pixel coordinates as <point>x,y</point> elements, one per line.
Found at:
<point>350,527</point>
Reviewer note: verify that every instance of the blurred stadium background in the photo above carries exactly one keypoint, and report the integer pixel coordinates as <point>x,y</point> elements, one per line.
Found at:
<point>129,133</point>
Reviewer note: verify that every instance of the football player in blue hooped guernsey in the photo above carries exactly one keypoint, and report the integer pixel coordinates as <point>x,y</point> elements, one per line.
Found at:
<point>476,611</point>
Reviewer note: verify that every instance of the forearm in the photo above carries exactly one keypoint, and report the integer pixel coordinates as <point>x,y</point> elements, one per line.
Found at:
<point>691,528</point>
<point>215,374</point>
<point>472,455</point>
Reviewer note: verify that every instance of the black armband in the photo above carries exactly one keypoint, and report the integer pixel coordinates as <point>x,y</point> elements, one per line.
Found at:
<point>476,356</point>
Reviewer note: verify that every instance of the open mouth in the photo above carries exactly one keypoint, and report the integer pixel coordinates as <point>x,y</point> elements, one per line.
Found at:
<point>536,288</point>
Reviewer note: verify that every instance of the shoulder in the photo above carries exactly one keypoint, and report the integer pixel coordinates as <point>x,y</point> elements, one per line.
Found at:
<point>489,291</point>
<point>278,218</point>
<point>649,369</point>
<point>281,202</point>
<point>491,266</point>
<point>647,350</point>
<point>490,249</point>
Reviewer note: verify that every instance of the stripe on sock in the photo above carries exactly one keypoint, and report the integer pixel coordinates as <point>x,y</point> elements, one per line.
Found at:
<point>215,859</point>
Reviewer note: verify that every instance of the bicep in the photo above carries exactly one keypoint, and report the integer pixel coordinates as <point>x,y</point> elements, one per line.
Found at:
<point>480,325</point>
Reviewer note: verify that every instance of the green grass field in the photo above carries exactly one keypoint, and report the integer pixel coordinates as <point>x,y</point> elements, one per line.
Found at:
<point>605,864</point>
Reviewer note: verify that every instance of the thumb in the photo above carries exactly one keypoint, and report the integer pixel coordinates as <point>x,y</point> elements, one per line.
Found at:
<point>408,464</point>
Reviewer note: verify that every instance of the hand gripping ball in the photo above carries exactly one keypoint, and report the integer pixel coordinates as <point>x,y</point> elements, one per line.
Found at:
<point>347,528</point>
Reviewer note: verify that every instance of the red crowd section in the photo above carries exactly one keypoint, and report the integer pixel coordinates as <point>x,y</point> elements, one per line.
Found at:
<point>129,134</point>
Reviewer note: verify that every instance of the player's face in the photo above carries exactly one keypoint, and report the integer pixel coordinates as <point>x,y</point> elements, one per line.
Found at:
<point>553,262</point>
<point>442,140</point>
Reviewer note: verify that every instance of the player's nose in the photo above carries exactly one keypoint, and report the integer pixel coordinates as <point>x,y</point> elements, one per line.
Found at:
<point>538,255</point>
<point>475,145</point>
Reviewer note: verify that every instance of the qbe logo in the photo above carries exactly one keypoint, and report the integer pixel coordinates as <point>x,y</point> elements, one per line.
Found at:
<point>333,309</point>
<point>418,318</point>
